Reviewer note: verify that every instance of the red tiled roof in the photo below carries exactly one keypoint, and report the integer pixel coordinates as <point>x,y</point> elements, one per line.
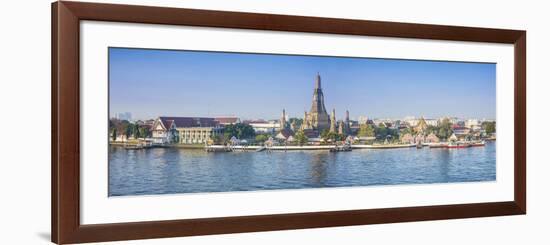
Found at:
<point>227,120</point>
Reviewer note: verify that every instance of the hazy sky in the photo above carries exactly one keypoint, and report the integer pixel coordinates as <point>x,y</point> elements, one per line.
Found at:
<point>152,83</point>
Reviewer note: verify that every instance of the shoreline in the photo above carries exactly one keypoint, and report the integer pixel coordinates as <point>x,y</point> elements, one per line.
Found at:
<point>258,148</point>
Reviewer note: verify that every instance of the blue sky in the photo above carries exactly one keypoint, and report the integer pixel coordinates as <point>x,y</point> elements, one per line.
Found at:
<point>150,83</point>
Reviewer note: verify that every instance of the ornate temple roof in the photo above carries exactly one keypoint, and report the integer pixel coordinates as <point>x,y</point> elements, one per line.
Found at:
<point>318,105</point>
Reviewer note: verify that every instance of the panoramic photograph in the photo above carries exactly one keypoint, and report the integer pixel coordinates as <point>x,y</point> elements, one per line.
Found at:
<point>206,122</point>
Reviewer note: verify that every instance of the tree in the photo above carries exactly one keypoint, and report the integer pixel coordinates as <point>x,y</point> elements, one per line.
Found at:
<point>144,132</point>
<point>128,129</point>
<point>175,136</point>
<point>136,132</point>
<point>445,129</point>
<point>365,130</point>
<point>381,131</point>
<point>114,123</point>
<point>217,139</point>
<point>431,129</point>
<point>300,138</point>
<point>239,130</point>
<point>114,134</point>
<point>324,134</point>
<point>489,127</point>
<point>334,136</point>
<point>297,121</point>
<point>407,131</point>
<point>261,138</point>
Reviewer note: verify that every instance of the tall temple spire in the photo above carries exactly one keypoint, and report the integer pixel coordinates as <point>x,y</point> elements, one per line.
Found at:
<point>318,117</point>
<point>341,127</point>
<point>282,122</point>
<point>318,81</point>
<point>333,121</point>
<point>305,122</point>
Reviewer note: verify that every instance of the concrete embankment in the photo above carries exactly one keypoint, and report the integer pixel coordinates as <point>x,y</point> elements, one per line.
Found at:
<point>305,147</point>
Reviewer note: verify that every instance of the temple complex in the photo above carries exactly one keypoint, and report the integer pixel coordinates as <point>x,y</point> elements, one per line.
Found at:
<point>317,119</point>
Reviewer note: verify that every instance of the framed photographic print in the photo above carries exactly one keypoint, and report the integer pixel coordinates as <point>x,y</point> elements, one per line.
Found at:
<point>177,122</point>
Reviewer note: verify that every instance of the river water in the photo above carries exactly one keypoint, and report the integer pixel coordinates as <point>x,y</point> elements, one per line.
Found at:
<point>172,170</point>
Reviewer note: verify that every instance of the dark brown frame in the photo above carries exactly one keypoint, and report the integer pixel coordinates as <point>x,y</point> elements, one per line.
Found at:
<point>65,175</point>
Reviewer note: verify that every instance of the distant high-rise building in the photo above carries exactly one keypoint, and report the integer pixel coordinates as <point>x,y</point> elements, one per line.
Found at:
<point>347,124</point>
<point>124,116</point>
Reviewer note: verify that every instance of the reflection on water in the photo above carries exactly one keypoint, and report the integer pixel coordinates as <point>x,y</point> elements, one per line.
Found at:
<point>170,170</point>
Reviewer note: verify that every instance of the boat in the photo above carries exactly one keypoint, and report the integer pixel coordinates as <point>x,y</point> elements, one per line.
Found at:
<point>134,147</point>
<point>458,145</point>
<point>340,148</point>
<point>438,145</point>
<point>478,143</point>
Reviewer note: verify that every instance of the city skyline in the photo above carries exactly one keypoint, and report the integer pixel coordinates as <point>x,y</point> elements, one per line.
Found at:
<point>259,86</point>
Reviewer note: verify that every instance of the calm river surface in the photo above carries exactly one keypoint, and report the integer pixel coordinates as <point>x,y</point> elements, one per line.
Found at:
<point>172,170</point>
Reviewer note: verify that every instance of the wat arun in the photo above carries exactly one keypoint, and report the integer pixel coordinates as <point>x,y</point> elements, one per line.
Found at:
<point>317,119</point>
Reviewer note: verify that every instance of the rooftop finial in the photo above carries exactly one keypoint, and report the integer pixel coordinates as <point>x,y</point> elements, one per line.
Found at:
<point>318,81</point>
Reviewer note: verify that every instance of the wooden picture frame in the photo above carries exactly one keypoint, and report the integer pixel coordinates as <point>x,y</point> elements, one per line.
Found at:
<point>65,169</point>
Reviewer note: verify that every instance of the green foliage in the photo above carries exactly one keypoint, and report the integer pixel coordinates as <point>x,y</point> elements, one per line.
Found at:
<point>175,135</point>
<point>407,131</point>
<point>332,136</point>
<point>114,134</point>
<point>431,129</point>
<point>366,130</point>
<point>239,130</point>
<point>128,129</point>
<point>217,139</point>
<point>444,130</point>
<point>122,127</point>
<point>300,138</point>
<point>382,132</point>
<point>324,134</point>
<point>144,132</point>
<point>489,127</point>
<point>113,123</point>
<point>135,131</point>
<point>261,138</point>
